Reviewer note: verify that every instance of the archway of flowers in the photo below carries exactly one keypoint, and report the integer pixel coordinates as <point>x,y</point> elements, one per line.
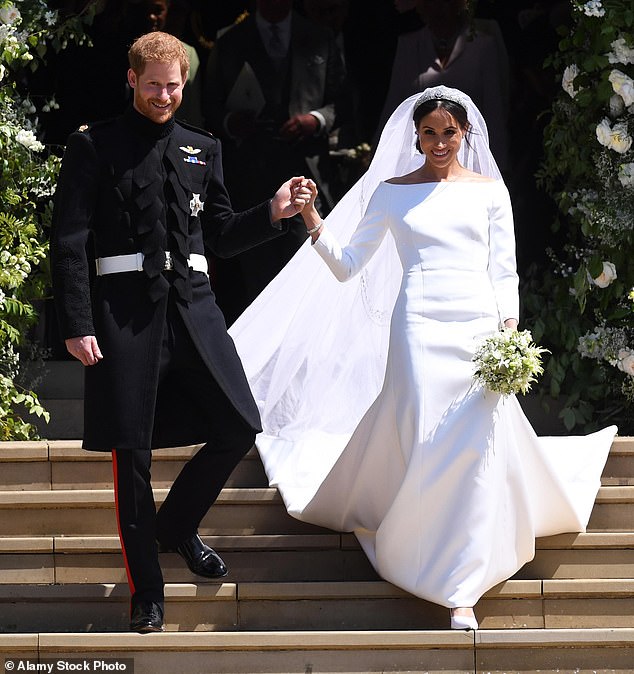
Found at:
<point>582,308</point>
<point>28,174</point>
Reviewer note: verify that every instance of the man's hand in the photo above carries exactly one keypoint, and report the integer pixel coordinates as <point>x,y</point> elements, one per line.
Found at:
<point>85,349</point>
<point>299,126</point>
<point>290,198</point>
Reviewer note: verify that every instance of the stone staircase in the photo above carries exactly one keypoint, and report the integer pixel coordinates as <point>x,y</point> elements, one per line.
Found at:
<point>298,598</point>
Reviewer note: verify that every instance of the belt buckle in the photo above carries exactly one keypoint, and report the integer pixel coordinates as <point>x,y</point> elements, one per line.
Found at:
<point>169,263</point>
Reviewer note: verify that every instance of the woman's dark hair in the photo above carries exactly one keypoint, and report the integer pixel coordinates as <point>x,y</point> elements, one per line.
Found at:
<point>454,109</point>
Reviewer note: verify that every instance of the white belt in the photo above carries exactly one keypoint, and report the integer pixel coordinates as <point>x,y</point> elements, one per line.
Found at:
<point>116,264</point>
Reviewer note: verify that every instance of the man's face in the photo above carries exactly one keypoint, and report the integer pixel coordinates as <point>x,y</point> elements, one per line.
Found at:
<point>156,14</point>
<point>158,91</point>
<point>274,10</point>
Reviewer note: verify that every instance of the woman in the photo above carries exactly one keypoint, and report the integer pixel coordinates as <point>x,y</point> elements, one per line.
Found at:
<point>456,50</point>
<point>372,421</point>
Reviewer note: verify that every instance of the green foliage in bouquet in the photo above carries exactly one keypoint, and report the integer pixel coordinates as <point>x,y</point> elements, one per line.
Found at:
<point>508,362</point>
<point>27,182</point>
<point>582,308</point>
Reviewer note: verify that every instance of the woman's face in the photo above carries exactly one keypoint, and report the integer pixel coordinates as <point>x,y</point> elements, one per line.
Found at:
<point>440,137</point>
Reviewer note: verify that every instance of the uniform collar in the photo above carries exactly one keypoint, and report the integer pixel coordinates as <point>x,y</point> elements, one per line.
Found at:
<point>145,126</point>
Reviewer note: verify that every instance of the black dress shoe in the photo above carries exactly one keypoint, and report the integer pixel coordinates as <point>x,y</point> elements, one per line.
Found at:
<point>147,616</point>
<point>200,558</point>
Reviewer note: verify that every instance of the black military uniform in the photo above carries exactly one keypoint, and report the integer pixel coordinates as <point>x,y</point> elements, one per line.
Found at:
<point>137,205</point>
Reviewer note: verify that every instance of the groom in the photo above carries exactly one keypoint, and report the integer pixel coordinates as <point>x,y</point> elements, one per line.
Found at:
<point>140,199</point>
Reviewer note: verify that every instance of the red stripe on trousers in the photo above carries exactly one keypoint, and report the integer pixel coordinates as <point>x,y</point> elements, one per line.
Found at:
<point>116,504</point>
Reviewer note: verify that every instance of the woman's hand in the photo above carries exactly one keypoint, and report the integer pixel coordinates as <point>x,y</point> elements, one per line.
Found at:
<point>289,199</point>
<point>511,323</point>
<point>312,219</point>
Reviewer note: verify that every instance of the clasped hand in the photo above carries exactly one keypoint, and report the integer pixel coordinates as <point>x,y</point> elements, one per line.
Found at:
<point>291,198</point>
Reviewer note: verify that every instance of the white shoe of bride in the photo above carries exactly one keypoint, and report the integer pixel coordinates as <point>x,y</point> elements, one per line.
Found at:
<point>463,622</point>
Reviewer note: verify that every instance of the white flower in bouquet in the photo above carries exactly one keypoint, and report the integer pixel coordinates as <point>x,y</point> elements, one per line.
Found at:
<point>621,53</point>
<point>568,80</point>
<point>613,137</point>
<point>606,277</point>
<point>508,362</point>
<point>623,86</point>
<point>626,174</point>
<point>626,361</point>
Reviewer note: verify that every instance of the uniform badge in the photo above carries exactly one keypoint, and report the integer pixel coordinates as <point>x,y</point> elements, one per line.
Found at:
<point>196,205</point>
<point>190,152</point>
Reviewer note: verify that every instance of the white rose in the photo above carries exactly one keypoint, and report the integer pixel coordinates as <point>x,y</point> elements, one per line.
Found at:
<point>616,106</point>
<point>621,142</point>
<point>10,14</point>
<point>615,138</point>
<point>621,53</point>
<point>626,174</point>
<point>28,139</point>
<point>623,86</point>
<point>626,361</point>
<point>606,276</point>
<point>568,78</point>
<point>604,132</point>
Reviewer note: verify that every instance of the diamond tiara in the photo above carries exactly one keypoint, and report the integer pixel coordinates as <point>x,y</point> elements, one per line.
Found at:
<point>443,93</point>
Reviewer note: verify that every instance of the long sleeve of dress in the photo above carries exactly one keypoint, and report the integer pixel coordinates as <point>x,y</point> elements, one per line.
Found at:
<point>346,262</point>
<point>502,263</point>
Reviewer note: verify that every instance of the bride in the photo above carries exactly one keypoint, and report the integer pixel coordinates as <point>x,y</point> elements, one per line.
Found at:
<point>371,419</point>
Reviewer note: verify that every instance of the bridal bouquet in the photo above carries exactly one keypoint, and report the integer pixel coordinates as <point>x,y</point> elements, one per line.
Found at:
<point>508,362</point>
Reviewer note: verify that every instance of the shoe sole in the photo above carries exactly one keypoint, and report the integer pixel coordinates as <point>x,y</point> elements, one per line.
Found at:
<point>149,629</point>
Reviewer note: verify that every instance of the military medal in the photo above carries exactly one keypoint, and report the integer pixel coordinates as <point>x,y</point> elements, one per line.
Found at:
<point>196,205</point>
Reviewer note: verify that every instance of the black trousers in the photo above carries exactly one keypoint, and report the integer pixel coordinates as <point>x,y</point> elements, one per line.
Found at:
<point>199,482</point>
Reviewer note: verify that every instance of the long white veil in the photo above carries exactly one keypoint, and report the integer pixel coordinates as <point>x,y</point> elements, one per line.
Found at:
<point>314,350</point>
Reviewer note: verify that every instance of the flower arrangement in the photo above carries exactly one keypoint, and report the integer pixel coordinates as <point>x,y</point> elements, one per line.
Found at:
<point>508,362</point>
<point>27,181</point>
<point>580,307</point>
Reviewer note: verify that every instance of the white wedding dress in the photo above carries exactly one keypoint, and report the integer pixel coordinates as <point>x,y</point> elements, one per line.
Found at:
<point>444,484</point>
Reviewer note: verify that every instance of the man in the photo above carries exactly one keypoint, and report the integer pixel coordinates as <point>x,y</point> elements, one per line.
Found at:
<point>146,193</point>
<point>170,17</point>
<point>271,84</point>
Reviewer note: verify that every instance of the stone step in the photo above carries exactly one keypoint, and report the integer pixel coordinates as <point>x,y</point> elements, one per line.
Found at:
<point>45,465</point>
<point>369,605</point>
<point>63,464</point>
<point>76,512</point>
<point>79,512</point>
<point>353,652</point>
<point>297,557</point>
<point>292,557</point>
